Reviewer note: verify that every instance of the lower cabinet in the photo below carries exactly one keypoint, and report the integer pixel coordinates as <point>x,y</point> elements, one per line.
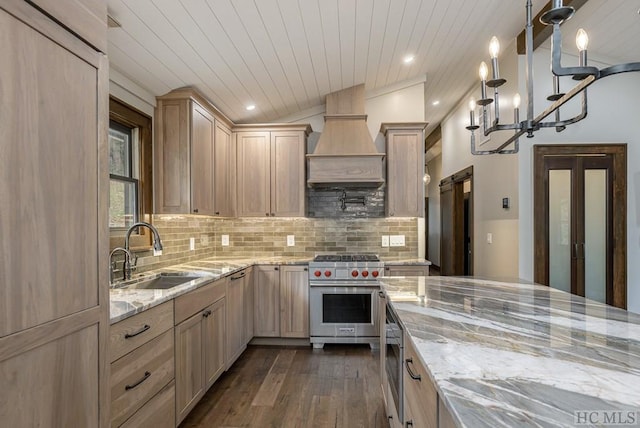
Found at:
<point>199,344</point>
<point>142,367</point>
<point>249,302</point>
<point>420,395</point>
<point>235,343</point>
<point>159,412</point>
<point>281,296</point>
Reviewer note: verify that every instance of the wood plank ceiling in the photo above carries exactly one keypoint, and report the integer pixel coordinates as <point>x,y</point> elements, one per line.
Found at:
<point>284,56</point>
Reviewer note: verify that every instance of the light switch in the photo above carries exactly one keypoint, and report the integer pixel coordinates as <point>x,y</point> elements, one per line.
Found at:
<point>192,244</point>
<point>489,238</point>
<point>385,240</point>
<point>291,240</point>
<point>225,240</point>
<point>396,240</point>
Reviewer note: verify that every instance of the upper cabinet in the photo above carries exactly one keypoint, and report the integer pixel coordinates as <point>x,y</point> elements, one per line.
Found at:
<point>271,170</point>
<point>405,168</point>
<point>193,157</point>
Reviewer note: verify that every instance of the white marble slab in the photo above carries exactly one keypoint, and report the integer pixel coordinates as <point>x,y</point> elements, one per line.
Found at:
<point>506,354</point>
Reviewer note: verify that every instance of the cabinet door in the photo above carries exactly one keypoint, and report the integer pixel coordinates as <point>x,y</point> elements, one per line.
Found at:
<point>172,189</point>
<point>420,394</point>
<point>248,306</point>
<point>202,132</point>
<point>406,271</point>
<point>253,174</point>
<point>288,183</point>
<point>266,290</point>
<point>405,169</point>
<point>224,172</point>
<point>189,365</point>
<point>214,331</point>
<point>235,317</point>
<point>294,301</point>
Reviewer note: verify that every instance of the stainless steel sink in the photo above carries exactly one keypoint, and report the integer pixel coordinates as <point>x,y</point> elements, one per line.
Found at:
<point>163,282</point>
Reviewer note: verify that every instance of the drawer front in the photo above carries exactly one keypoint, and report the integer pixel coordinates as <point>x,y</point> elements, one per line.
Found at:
<point>195,301</point>
<point>133,332</point>
<point>159,412</point>
<point>140,375</point>
<point>420,396</point>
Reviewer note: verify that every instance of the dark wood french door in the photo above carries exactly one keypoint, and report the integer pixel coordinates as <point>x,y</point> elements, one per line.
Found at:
<point>580,220</point>
<point>456,217</point>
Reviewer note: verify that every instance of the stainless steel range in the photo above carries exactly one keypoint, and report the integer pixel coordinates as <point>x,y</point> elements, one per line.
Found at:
<point>343,299</point>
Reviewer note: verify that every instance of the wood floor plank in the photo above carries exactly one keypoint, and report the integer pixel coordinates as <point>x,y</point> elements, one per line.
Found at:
<point>334,387</point>
<point>268,392</point>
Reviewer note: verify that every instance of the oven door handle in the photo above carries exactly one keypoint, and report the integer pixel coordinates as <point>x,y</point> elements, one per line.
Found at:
<point>381,294</point>
<point>413,375</point>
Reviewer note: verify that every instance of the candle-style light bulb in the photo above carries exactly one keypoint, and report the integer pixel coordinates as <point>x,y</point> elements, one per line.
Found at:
<point>582,40</point>
<point>494,47</point>
<point>472,114</point>
<point>472,104</point>
<point>516,100</point>
<point>484,71</point>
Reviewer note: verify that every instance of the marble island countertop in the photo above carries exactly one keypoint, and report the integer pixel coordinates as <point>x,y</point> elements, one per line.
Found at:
<point>126,302</point>
<point>515,354</point>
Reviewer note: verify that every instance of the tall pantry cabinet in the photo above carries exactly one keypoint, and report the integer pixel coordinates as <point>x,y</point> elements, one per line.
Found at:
<point>54,296</point>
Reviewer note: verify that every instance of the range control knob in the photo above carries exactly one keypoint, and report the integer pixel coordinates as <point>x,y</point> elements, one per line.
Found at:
<point>375,273</point>
<point>317,273</point>
<point>365,273</point>
<point>354,273</point>
<point>327,273</point>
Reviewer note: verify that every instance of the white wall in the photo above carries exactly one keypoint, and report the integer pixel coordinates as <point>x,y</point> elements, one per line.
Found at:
<point>614,113</point>
<point>494,177</point>
<point>129,92</point>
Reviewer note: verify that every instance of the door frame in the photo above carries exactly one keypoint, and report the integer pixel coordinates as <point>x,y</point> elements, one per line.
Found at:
<point>617,222</point>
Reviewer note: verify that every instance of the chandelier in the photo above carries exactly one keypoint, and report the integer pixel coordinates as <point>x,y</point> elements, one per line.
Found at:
<point>584,74</point>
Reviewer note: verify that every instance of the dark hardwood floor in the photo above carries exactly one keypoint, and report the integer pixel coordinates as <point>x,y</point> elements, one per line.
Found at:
<point>338,386</point>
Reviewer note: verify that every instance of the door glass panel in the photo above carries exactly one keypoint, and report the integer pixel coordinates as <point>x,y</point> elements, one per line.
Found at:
<point>346,308</point>
<point>595,237</point>
<point>560,229</point>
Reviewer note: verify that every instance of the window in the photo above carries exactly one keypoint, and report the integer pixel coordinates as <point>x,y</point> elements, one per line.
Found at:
<point>123,176</point>
<point>130,172</point>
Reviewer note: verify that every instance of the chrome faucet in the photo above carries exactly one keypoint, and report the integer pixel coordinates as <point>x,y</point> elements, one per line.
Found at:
<point>112,264</point>
<point>157,247</point>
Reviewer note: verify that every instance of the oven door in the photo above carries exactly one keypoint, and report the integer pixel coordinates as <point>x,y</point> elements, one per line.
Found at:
<point>343,310</point>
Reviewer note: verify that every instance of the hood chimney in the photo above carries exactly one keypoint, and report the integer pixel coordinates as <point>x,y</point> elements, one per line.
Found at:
<point>345,154</point>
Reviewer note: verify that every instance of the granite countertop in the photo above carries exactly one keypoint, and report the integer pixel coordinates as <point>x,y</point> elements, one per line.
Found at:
<point>127,302</point>
<point>505,354</point>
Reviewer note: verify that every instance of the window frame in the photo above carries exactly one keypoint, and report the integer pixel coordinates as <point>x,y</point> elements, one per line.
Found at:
<point>129,117</point>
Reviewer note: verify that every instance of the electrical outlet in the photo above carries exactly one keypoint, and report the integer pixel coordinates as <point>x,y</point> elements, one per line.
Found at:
<point>385,240</point>
<point>291,240</point>
<point>225,240</point>
<point>396,240</point>
<point>192,244</point>
<point>489,238</point>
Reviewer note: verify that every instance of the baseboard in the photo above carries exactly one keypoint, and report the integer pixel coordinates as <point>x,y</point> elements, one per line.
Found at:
<point>279,341</point>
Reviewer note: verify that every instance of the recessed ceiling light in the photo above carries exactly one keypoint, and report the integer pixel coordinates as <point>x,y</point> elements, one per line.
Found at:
<point>408,59</point>
<point>435,103</point>
<point>251,107</point>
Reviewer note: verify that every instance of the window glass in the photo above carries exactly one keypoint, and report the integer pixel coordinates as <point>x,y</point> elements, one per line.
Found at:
<point>119,151</point>
<point>123,186</point>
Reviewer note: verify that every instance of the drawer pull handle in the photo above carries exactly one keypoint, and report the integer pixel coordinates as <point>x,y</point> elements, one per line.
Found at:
<point>145,377</point>
<point>413,375</point>
<point>207,313</point>
<point>408,424</point>
<point>142,330</point>
<point>233,278</point>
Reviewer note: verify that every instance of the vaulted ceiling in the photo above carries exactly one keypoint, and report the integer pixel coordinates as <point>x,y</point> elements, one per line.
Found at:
<point>285,56</point>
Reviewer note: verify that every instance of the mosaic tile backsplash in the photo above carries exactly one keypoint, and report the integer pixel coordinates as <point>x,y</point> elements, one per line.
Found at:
<point>267,237</point>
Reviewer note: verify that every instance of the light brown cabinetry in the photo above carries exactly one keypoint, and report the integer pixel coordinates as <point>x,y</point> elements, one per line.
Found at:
<point>266,322</point>
<point>294,301</point>
<point>199,343</point>
<point>405,168</point>
<point>420,395</point>
<point>185,151</point>
<point>54,289</point>
<point>249,302</point>
<point>271,170</point>
<point>235,317</point>
<point>159,412</point>
<point>406,270</point>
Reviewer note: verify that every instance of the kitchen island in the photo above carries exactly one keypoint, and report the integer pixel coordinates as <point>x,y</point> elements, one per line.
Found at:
<point>505,354</point>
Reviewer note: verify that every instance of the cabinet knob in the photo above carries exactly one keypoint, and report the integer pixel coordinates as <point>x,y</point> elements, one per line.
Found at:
<point>267,214</point>
<point>217,212</point>
<point>276,268</point>
<point>195,210</point>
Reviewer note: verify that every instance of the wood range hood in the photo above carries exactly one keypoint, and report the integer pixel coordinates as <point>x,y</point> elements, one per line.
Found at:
<point>345,155</point>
